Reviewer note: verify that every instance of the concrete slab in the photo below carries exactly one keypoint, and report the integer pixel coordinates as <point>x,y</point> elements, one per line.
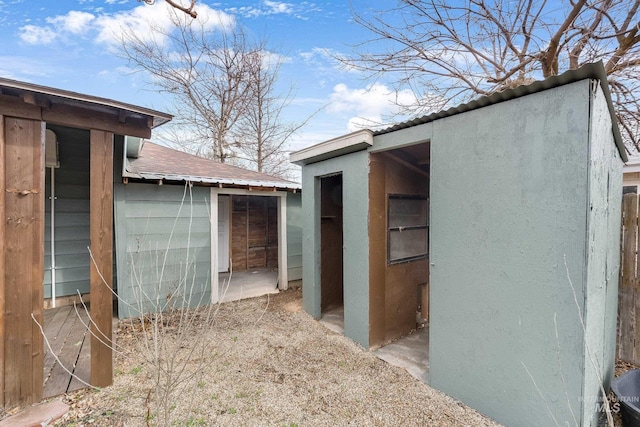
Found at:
<point>37,415</point>
<point>410,352</point>
<point>247,284</point>
<point>333,318</point>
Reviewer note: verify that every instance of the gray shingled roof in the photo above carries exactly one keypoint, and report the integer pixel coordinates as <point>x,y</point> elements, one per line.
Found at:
<point>159,162</point>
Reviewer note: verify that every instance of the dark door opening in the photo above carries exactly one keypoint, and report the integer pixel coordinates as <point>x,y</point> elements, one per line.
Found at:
<point>331,237</point>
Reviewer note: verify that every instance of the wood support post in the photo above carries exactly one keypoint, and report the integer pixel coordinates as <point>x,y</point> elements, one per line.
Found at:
<point>424,301</point>
<point>22,264</point>
<point>2,256</point>
<point>101,274</point>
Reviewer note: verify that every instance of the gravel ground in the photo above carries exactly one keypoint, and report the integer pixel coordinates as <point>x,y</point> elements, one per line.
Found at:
<point>267,363</point>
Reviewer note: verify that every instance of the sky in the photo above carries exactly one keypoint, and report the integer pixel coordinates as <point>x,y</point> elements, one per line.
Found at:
<point>73,45</point>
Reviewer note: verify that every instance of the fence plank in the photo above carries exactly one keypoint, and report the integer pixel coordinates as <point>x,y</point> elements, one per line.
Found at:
<point>636,283</point>
<point>626,292</point>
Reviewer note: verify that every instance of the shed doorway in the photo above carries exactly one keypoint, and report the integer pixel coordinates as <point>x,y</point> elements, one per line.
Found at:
<point>331,256</point>
<point>250,237</point>
<point>399,254</point>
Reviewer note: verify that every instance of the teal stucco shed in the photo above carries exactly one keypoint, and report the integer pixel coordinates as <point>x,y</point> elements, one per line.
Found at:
<point>499,222</point>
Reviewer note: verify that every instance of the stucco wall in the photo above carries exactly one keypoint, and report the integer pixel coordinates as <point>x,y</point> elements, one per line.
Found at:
<point>509,206</point>
<point>605,199</point>
<point>354,169</point>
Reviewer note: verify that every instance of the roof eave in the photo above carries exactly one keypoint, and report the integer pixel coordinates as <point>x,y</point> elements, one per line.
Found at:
<point>158,118</point>
<point>342,145</point>
<point>154,176</point>
<point>594,71</point>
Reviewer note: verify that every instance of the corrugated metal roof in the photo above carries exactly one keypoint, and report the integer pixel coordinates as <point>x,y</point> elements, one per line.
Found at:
<point>157,162</point>
<point>16,88</point>
<point>594,71</point>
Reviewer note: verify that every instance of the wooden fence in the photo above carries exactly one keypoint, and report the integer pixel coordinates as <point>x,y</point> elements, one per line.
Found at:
<point>628,342</point>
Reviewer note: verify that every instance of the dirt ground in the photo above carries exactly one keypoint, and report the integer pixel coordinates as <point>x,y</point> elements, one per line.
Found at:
<point>266,363</point>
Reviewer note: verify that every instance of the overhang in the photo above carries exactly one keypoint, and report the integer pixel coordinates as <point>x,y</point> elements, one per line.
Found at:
<point>45,97</point>
<point>593,71</point>
<point>346,144</point>
<point>242,183</point>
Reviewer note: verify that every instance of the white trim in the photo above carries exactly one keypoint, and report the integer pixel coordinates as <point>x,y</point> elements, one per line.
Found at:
<point>629,182</point>
<point>214,246</point>
<point>342,145</point>
<point>153,176</point>
<point>53,237</point>
<point>242,191</point>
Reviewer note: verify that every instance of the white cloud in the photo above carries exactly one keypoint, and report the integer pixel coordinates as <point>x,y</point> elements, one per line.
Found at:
<point>33,34</point>
<point>23,68</point>
<point>368,107</point>
<point>108,28</point>
<point>269,7</point>
<point>142,19</point>
<point>278,7</point>
<point>74,22</point>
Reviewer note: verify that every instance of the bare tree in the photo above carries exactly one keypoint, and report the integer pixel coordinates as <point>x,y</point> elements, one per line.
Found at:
<point>223,89</point>
<point>261,135</point>
<point>189,10</point>
<point>203,66</point>
<point>459,50</point>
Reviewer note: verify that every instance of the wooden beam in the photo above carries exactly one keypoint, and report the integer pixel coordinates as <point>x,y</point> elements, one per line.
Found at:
<point>406,164</point>
<point>79,117</point>
<point>23,254</point>
<point>12,106</point>
<point>29,98</point>
<point>2,257</point>
<point>101,271</point>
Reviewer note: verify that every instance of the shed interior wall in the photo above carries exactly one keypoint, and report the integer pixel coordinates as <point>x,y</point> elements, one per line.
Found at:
<point>331,229</point>
<point>254,232</point>
<point>394,287</point>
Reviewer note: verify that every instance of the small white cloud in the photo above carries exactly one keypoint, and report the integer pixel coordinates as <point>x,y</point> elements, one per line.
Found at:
<point>274,7</point>
<point>142,20</point>
<point>108,28</point>
<point>270,7</point>
<point>33,34</point>
<point>368,107</point>
<point>74,22</point>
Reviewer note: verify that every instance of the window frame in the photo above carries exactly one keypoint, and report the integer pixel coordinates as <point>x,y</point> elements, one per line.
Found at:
<point>395,229</point>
